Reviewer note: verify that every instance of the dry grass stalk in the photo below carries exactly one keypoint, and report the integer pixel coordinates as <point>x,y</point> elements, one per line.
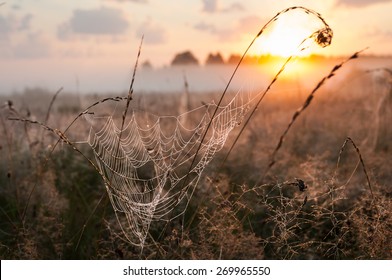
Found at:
<point>51,104</point>
<point>49,110</point>
<point>348,139</point>
<point>130,92</point>
<point>7,135</point>
<point>63,138</point>
<point>104,100</point>
<point>306,105</point>
<point>323,37</point>
<point>185,102</point>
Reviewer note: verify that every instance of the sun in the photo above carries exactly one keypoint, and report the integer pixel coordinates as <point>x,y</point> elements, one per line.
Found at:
<point>285,41</point>
<point>288,35</point>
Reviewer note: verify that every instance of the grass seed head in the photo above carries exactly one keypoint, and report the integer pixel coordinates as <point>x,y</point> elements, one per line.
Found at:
<point>323,37</point>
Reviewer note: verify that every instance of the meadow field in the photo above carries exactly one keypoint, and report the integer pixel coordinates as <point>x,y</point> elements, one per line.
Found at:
<point>327,194</point>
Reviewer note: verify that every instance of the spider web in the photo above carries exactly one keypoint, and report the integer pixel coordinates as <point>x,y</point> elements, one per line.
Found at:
<point>147,167</point>
<point>152,165</point>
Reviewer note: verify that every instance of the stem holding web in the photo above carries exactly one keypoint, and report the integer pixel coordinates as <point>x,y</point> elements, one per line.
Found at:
<point>129,98</point>
<point>323,37</point>
<point>130,91</point>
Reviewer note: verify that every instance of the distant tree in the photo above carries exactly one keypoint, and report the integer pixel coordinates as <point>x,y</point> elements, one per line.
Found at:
<point>234,59</point>
<point>185,58</point>
<point>214,59</point>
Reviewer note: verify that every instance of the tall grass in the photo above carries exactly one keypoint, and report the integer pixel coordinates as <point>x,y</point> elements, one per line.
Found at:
<point>333,217</point>
<point>306,105</point>
<point>327,210</point>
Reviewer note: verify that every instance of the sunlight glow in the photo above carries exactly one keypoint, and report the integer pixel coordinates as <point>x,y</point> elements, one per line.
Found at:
<point>293,70</point>
<point>286,35</point>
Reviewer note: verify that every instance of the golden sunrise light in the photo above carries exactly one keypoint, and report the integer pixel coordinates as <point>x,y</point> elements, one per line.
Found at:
<point>291,34</point>
<point>285,41</point>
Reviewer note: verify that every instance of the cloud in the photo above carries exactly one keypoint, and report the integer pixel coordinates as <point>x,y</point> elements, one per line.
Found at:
<point>30,45</point>
<point>25,22</point>
<point>33,46</point>
<point>153,34</point>
<point>99,21</point>
<point>102,21</point>
<point>360,3</point>
<point>16,7</point>
<point>202,26</point>
<point>18,39</point>
<point>250,23</point>
<point>377,33</point>
<point>234,8</point>
<point>245,24</point>
<point>5,29</point>
<point>11,24</point>
<point>210,6</point>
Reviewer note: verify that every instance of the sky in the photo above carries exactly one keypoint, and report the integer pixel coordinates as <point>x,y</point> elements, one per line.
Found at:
<point>92,44</point>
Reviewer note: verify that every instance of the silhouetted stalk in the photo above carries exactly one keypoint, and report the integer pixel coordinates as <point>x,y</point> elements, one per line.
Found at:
<point>49,109</point>
<point>304,106</point>
<point>62,137</point>
<point>348,139</point>
<point>323,38</point>
<point>51,105</point>
<point>130,91</point>
<point>255,109</point>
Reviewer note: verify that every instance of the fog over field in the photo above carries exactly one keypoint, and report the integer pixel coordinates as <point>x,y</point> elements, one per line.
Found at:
<point>171,79</point>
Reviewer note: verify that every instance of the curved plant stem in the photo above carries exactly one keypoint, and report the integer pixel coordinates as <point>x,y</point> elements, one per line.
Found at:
<point>323,38</point>
<point>304,106</point>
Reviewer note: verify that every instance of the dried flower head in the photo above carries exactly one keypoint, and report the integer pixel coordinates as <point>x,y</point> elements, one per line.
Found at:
<point>323,37</point>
